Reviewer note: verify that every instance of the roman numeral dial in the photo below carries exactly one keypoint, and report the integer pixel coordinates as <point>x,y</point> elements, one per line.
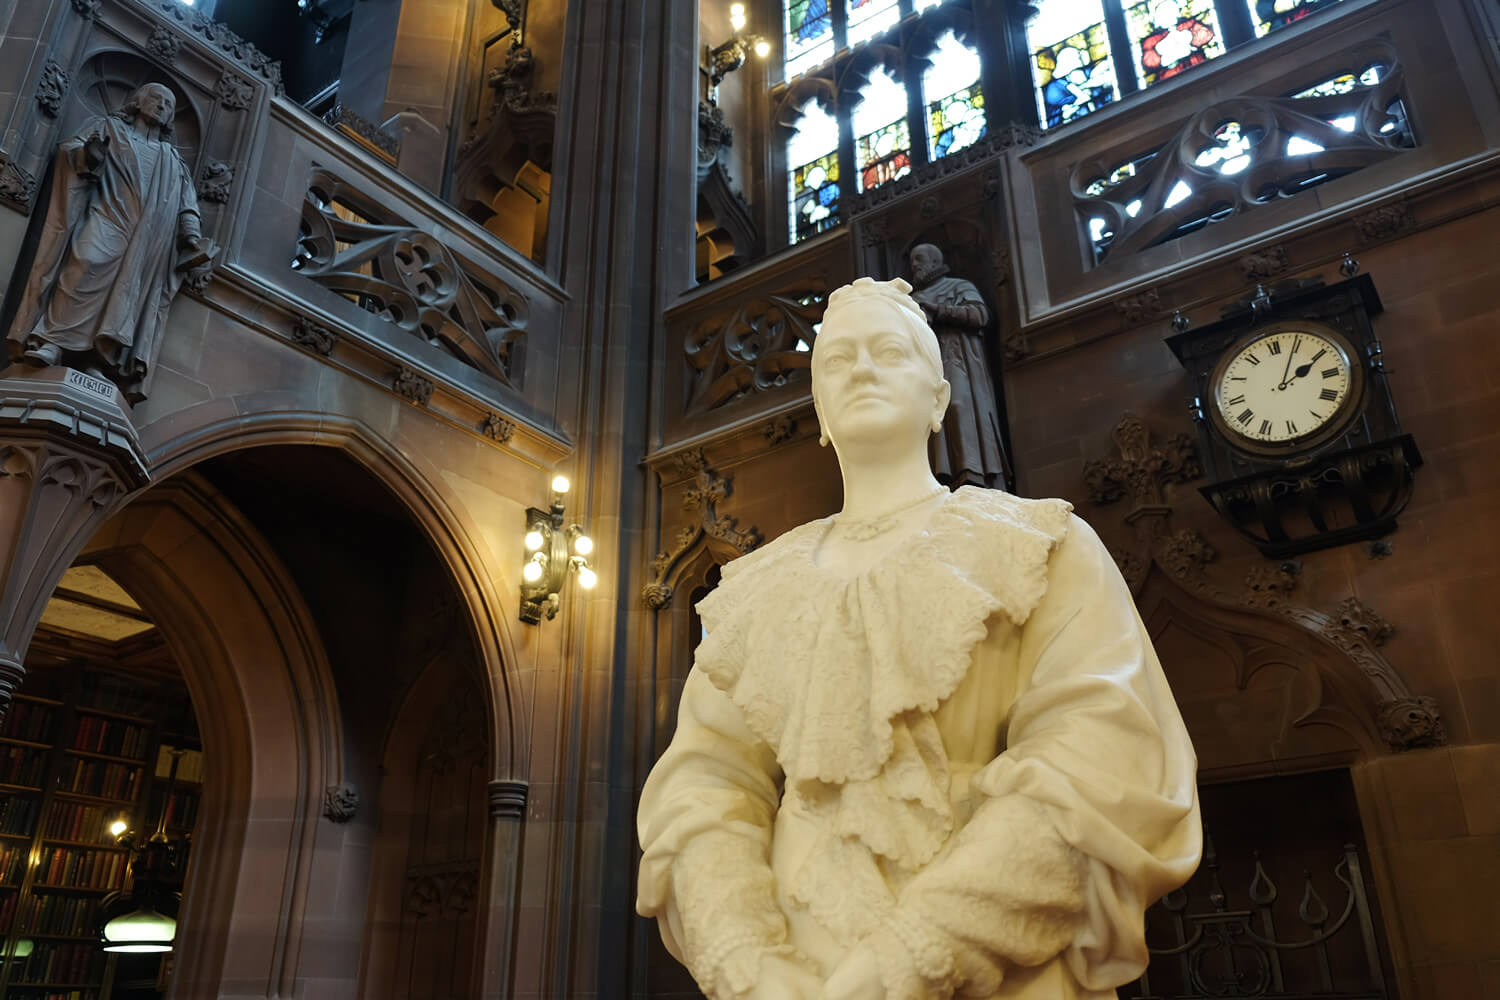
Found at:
<point>1292,383</point>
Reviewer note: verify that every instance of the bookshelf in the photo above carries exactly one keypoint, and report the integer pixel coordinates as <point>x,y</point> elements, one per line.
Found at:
<point>76,755</point>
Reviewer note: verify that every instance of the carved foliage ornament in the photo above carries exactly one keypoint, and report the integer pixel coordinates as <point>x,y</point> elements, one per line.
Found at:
<point>759,344</point>
<point>497,428</point>
<point>1403,719</point>
<point>340,802</point>
<point>1142,469</point>
<point>707,491</point>
<point>315,337</point>
<point>16,185</point>
<point>164,43</point>
<point>1384,222</point>
<point>412,386</point>
<point>234,92</point>
<point>52,88</point>
<point>217,36</point>
<point>215,184</point>
<point>411,279</point>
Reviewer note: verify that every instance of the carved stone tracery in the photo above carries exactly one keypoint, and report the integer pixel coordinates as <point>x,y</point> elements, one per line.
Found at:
<point>409,278</point>
<point>761,343</point>
<point>707,491</point>
<point>1345,643</point>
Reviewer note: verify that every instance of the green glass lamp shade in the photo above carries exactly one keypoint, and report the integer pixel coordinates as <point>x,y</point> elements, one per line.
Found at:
<point>144,930</point>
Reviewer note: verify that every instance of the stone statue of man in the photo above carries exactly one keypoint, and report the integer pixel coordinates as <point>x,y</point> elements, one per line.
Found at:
<point>121,235</point>
<point>969,449</point>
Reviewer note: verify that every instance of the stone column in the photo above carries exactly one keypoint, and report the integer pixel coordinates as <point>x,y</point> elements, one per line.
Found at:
<point>507,818</point>
<point>68,455</point>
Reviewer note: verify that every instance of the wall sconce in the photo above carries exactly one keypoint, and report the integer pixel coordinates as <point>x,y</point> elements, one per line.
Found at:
<point>730,56</point>
<point>552,552</point>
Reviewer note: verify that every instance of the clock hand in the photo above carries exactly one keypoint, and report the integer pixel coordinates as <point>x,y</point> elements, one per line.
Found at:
<point>1288,368</point>
<point>1301,371</point>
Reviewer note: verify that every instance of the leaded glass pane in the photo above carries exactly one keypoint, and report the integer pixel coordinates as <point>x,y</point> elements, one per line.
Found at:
<point>955,103</point>
<point>813,173</point>
<point>1269,15</point>
<point>882,140</point>
<point>1071,66</point>
<point>809,35</point>
<point>868,18</point>
<point>1168,36</point>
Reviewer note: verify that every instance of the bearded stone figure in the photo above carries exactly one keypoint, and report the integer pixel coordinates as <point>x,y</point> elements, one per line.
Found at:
<point>121,234</point>
<point>926,749</point>
<point>968,448</point>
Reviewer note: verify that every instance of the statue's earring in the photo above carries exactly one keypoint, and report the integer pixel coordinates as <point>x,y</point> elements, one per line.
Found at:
<point>937,424</point>
<point>822,439</point>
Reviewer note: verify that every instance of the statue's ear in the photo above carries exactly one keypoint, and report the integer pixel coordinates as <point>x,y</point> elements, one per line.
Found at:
<point>944,397</point>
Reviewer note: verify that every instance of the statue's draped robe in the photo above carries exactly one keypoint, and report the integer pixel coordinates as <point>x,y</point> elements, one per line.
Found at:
<point>965,758</point>
<point>968,449</point>
<point>106,265</point>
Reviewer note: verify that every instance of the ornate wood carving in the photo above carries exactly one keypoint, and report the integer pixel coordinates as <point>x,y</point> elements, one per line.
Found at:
<point>409,278</point>
<point>1140,307</point>
<point>1342,646</point>
<point>755,345</point>
<point>708,490</point>
<point>1264,263</point>
<point>779,429</point>
<point>1384,222</point>
<point>164,43</point>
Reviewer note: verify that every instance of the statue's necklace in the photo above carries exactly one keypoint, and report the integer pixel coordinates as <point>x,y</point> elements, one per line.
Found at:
<point>873,527</point>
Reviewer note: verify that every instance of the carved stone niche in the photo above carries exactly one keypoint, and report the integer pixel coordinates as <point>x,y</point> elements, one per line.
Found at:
<point>1260,679</point>
<point>702,530</point>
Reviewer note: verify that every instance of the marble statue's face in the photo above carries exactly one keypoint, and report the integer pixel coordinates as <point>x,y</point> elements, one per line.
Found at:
<point>157,105</point>
<point>870,382</point>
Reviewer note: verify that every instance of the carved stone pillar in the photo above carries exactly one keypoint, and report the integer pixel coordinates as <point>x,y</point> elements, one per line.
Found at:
<point>68,454</point>
<point>507,819</point>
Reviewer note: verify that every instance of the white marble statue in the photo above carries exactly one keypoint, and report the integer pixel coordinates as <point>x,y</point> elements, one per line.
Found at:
<point>926,749</point>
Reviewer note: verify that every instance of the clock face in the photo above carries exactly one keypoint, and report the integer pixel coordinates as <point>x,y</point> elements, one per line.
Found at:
<point>1284,386</point>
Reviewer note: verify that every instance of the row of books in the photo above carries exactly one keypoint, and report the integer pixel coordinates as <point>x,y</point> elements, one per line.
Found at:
<point>80,868</point>
<point>55,995</point>
<point>13,855</point>
<point>53,914</point>
<point>76,821</point>
<point>22,766</point>
<point>103,778</point>
<point>111,736</point>
<point>18,813</point>
<point>66,962</point>
<point>29,720</point>
<point>182,807</point>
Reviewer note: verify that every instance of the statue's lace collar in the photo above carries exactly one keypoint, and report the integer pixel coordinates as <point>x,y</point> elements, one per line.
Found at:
<point>841,674</point>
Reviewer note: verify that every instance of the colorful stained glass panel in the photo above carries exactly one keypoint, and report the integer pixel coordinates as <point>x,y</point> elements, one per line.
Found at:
<point>815,197</point>
<point>955,121</point>
<point>1269,15</point>
<point>883,155</point>
<point>1169,36</point>
<point>1073,76</point>
<point>809,35</point>
<point>868,18</point>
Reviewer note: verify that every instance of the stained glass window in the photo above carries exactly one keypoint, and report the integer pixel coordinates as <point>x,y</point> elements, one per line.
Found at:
<point>955,104</point>
<point>1169,36</point>
<point>1269,15</point>
<point>882,140</point>
<point>1070,60</point>
<point>813,174</point>
<point>809,35</point>
<point>868,18</point>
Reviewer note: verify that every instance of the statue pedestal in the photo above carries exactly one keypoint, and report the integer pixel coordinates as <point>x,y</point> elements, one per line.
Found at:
<point>68,455</point>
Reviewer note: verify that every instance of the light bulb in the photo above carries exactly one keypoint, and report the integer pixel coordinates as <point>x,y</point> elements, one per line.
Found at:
<point>762,48</point>
<point>587,578</point>
<point>583,545</point>
<point>534,541</point>
<point>737,15</point>
<point>560,484</point>
<point>118,827</point>
<point>531,572</point>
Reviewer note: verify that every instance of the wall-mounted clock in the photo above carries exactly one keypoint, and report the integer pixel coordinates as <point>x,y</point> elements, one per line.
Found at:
<point>1298,426</point>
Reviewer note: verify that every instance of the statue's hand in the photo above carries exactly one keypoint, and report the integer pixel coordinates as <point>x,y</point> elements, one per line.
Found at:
<point>93,153</point>
<point>783,979</point>
<point>856,978</point>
